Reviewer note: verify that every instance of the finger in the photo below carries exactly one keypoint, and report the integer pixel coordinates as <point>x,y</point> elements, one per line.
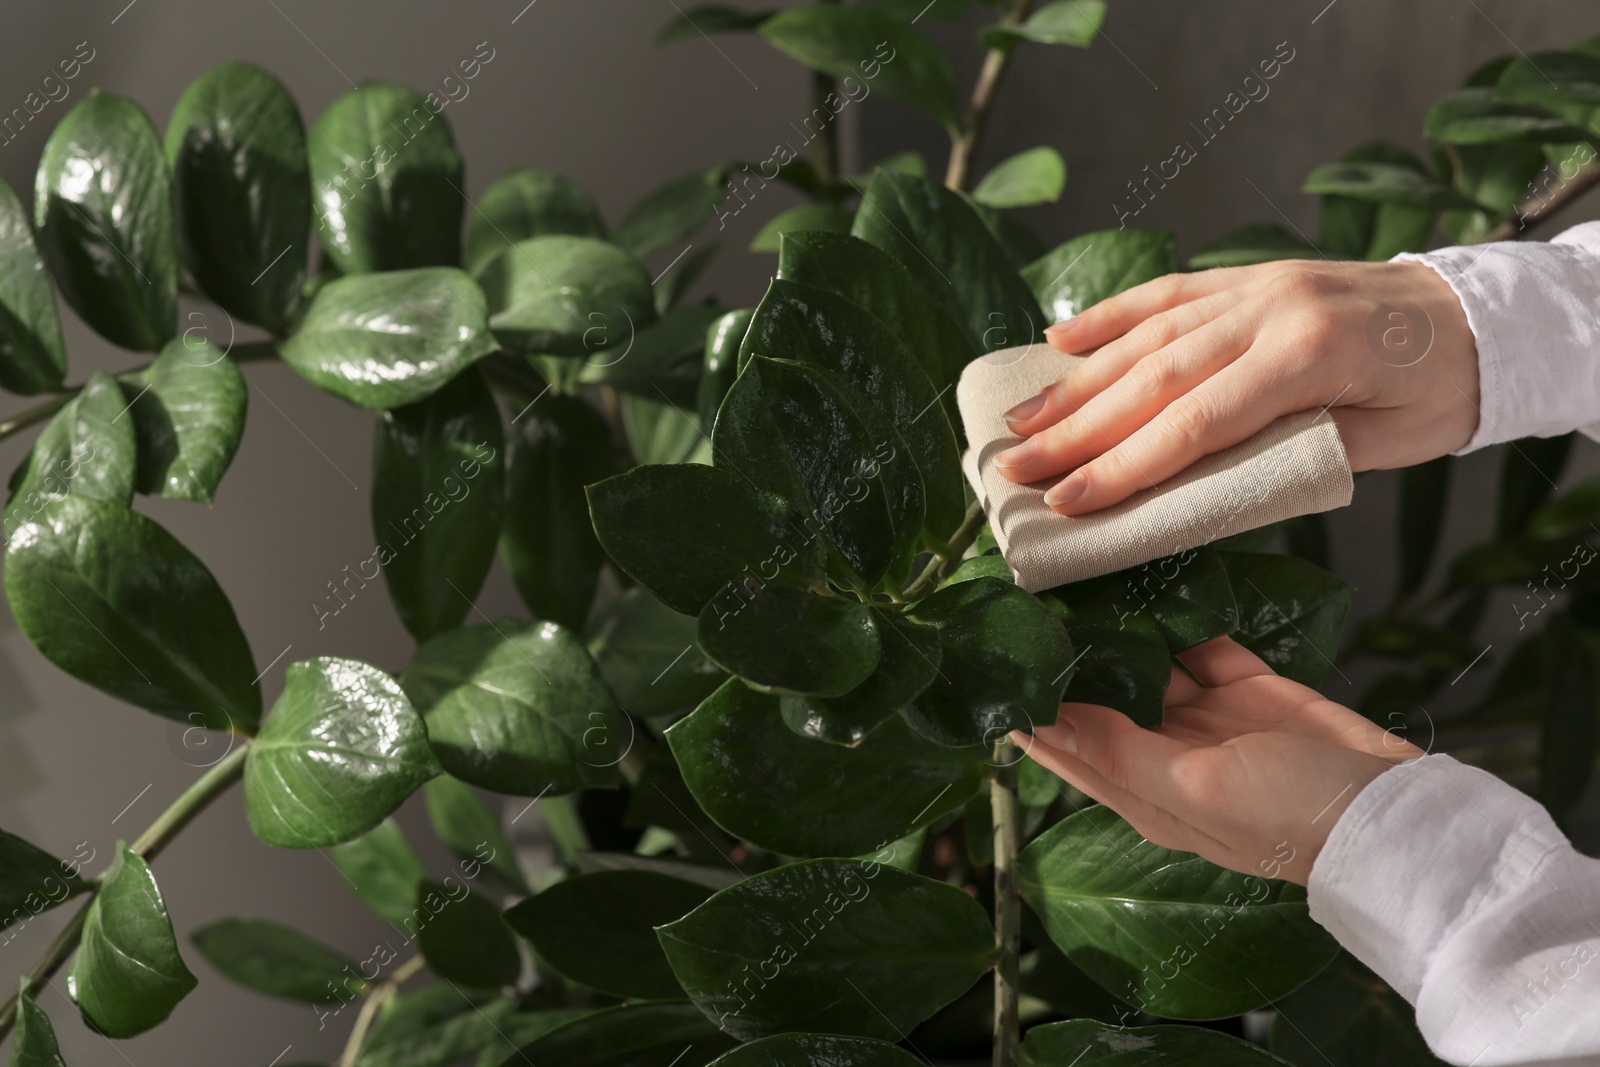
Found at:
<point>1110,362</point>
<point>1157,381</point>
<point>1223,661</point>
<point>1116,315</point>
<point>1142,762</point>
<point>1180,688</point>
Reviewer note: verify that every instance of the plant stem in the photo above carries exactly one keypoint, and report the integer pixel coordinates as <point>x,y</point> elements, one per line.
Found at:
<point>1007,904</point>
<point>965,145</point>
<point>949,557</point>
<point>825,149</point>
<point>377,996</point>
<point>1521,221</point>
<point>39,412</point>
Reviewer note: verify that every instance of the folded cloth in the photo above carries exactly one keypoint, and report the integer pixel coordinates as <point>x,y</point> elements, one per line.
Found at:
<point>1295,466</point>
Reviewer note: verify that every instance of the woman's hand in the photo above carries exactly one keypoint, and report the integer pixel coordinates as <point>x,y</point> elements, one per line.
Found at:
<point>1249,770</point>
<point>1189,364</point>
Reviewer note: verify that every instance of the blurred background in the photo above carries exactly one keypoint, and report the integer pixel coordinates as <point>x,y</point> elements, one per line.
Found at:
<point>577,86</point>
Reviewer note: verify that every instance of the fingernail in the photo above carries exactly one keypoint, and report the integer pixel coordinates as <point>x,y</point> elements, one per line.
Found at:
<point>1014,456</point>
<point>1061,736</point>
<point>1067,490</point>
<point>1060,329</point>
<point>1026,410</point>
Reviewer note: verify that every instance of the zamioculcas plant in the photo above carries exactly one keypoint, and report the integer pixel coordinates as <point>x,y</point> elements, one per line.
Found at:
<point>763,698</point>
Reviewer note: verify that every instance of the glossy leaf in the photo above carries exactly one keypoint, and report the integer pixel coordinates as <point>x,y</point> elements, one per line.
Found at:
<point>34,1043</point>
<point>1568,83</point>
<point>1384,183</point>
<point>1090,268</point>
<point>648,657</point>
<point>1066,22</point>
<point>242,186</point>
<point>791,640</point>
<point>662,363</point>
<point>1252,243</point>
<point>720,364</point>
<point>558,446</point>
<point>471,831</point>
<point>33,358</point>
<point>463,937</point>
<point>941,240</point>
<point>102,207</point>
<point>115,601</point>
<point>907,664</point>
<point>341,750</point>
<point>128,974</point>
<point>643,1035</point>
<point>710,18</point>
<point>670,215</point>
<point>382,870</point>
<point>1348,1017</point>
<point>1167,931</point>
<point>1125,662</point>
<point>788,794</point>
<point>824,216</point>
<point>437,502</point>
<point>1478,116</point>
<point>383,340</point>
<point>188,411</point>
<point>660,432</point>
<point>1424,494</point>
<point>1188,594</point>
<point>858,43</point>
<point>1037,176</point>
<point>86,450</point>
<point>567,296</point>
<point>1390,220</point>
<point>518,707</point>
<point>1291,613</point>
<point>790,429</point>
<point>1005,662</point>
<point>443,1024</point>
<point>599,929</point>
<point>278,960</point>
<point>526,203</point>
<point>31,880</point>
<point>387,181</point>
<point>810,1050</point>
<point>1015,237</point>
<point>1086,1043</point>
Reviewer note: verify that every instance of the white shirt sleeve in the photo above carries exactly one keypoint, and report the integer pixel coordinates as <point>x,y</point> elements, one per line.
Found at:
<point>1534,311</point>
<point>1462,894</point>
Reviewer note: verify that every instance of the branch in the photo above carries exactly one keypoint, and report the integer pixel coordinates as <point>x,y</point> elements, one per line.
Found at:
<point>965,146</point>
<point>1007,904</point>
<point>168,825</point>
<point>948,558</point>
<point>377,996</point>
<point>39,412</point>
<point>1526,217</point>
<point>825,150</point>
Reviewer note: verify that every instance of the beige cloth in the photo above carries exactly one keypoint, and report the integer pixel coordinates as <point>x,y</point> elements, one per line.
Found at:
<point>1295,466</point>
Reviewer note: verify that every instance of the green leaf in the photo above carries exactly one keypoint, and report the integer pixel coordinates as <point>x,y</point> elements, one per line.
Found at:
<point>1570,737</point>
<point>1529,474</point>
<point>789,639</point>
<point>128,974</point>
<point>1365,228</point>
<point>1037,176</point>
<point>341,750</point>
<point>1414,643</point>
<point>662,363</point>
<point>660,432</point>
<point>861,488</point>
<point>837,946</point>
<point>1478,116</point>
<point>517,1030</point>
<point>908,663</point>
<point>1167,931</point>
<point>441,1025</point>
<point>1252,243</point>
<point>558,446</point>
<point>1090,268</point>
<point>86,450</point>
<point>865,44</point>
<point>387,181</point>
<point>1124,662</point>
<point>31,880</point>
<point>1004,666</point>
<point>277,960</point>
<point>34,1044</point>
<point>566,296</point>
<point>941,240</point>
<point>809,325</point>
<point>762,782</point>
<point>147,622</point>
<point>518,707</point>
<point>599,929</point>
<point>437,502</point>
<point>647,655</point>
<point>102,206</point>
<point>710,18</point>
<point>720,364</point>
<point>242,185</point>
<point>1086,1043</point>
<point>642,1035</point>
<point>1291,613</point>
<point>1567,83</point>
<point>384,872</point>
<point>670,215</point>
<point>808,1050</point>
<point>1189,595</point>
<point>1384,183</point>
<point>463,937</point>
<point>822,216</point>
<point>1015,237</point>
<point>188,411</point>
<point>1348,1017</point>
<point>1424,495</point>
<point>674,283</point>
<point>1515,560</point>
<point>33,358</point>
<point>867,276</point>
<point>526,203</point>
<point>383,340</point>
<point>1069,22</point>
<point>469,829</point>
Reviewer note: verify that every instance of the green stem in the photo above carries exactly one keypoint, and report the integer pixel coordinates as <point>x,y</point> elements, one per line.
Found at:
<point>377,996</point>
<point>39,412</point>
<point>1007,902</point>
<point>168,824</point>
<point>825,149</point>
<point>948,558</point>
<point>965,144</point>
